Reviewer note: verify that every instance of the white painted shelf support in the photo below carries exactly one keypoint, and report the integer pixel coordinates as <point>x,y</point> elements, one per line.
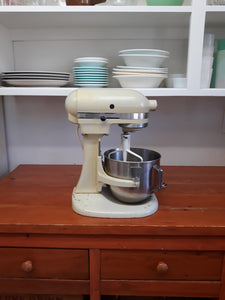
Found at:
<point>196,38</point>
<point>3,149</point>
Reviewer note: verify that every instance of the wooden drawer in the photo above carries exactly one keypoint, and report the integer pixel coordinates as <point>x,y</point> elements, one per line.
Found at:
<point>44,263</point>
<point>171,265</point>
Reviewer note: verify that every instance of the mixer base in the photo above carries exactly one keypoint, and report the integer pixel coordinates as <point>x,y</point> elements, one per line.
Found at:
<point>104,205</point>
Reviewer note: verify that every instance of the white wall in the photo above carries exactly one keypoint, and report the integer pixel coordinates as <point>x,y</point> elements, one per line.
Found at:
<point>186,131</point>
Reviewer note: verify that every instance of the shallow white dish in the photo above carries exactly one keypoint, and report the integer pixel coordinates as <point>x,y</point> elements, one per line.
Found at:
<point>144,60</point>
<point>138,81</point>
<point>36,83</point>
<point>38,73</point>
<point>138,69</point>
<point>136,73</point>
<point>114,71</point>
<point>145,51</point>
<point>35,77</point>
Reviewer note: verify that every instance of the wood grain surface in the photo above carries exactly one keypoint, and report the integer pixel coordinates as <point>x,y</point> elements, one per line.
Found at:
<point>38,198</point>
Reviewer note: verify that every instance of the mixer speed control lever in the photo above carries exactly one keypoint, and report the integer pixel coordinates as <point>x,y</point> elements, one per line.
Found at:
<point>102,118</point>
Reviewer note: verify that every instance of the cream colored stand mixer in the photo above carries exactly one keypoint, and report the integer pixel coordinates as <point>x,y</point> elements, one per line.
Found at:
<point>95,110</point>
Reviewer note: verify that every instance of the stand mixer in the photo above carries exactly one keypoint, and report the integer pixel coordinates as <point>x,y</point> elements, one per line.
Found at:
<point>95,110</point>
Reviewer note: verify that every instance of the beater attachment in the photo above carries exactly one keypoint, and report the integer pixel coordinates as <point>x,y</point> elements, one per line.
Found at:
<point>125,148</point>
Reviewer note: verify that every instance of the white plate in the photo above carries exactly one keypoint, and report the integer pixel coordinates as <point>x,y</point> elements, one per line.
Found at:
<point>42,73</point>
<point>139,71</point>
<point>36,83</point>
<point>15,77</point>
<point>143,69</point>
<point>145,51</point>
<point>140,74</point>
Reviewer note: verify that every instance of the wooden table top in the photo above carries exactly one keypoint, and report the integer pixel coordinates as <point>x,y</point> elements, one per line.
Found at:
<point>37,199</point>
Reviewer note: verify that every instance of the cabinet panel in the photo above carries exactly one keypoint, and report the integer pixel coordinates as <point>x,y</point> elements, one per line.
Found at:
<point>44,263</point>
<point>161,265</point>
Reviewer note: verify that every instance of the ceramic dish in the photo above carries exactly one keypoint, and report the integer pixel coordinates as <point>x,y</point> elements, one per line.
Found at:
<point>35,77</point>
<point>90,68</point>
<point>88,71</point>
<point>36,73</point>
<point>91,62</point>
<point>133,73</point>
<point>144,60</point>
<point>92,84</point>
<point>92,79</point>
<point>90,59</point>
<point>144,51</point>
<point>141,69</point>
<point>144,81</point>
<point>36,83</point>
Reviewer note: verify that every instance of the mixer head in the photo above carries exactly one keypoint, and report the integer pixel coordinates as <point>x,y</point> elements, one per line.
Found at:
<point>96,109</point>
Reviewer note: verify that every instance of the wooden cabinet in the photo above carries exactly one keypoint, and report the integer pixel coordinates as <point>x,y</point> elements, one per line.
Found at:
<point>44,263</point>
<point>46,248</point>
<point>161,265</point>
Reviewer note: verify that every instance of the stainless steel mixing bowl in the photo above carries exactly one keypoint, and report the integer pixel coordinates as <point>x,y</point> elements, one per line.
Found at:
<point>148,173</point>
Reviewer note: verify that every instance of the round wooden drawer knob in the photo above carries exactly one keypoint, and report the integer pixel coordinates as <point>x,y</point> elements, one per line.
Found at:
<point>27,266</point>
<point>162,267</point>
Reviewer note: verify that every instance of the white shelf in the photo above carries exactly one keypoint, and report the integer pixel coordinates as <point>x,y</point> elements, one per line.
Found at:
<point>96,8</point>
<point>160,92</point>
<point>30,17</point>
<point>100,22</point>
<point>215,8</point>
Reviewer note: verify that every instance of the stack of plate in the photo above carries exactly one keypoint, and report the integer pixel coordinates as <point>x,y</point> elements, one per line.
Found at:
<point>143,68</point>
<point>91,72</point>
<point>35,78</point>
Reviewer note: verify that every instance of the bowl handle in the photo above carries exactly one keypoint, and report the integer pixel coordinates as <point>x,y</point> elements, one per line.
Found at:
<point>160,172</point>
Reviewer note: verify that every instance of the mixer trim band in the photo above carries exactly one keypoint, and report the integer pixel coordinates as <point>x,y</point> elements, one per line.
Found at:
<point>128,116</point>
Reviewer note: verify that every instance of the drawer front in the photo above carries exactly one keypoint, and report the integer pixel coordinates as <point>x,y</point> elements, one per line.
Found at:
<point>171,265</point>
<point>44,263</point>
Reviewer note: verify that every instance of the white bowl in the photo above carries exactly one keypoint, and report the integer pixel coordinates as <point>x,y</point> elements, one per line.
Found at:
<point>140,81</point>
<point>139,71</point>
<point>144,60</point>
<point>91,61</point>
<point>145,51</point>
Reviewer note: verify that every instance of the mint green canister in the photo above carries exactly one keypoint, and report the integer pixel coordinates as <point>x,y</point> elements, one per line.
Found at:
<point>165,2</point>
<point>220,65</point>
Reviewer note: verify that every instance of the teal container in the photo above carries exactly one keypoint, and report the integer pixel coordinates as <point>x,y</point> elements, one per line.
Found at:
<point>221,45</point>
<point>220,65</point>
<point>213,79</point>
<point>165,2</point>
